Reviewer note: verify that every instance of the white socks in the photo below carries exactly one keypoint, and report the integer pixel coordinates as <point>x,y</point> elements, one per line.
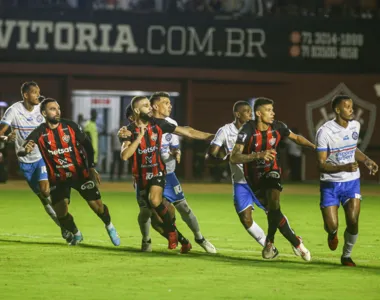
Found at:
<point>189,218</point>
<point>257,233</point>
<point>50,211</point>
<point>144,223</point>
<point>349,242</point>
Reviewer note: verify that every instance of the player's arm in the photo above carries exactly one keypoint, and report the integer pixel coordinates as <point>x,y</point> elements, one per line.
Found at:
<point>3,129</point>
<point>175,151</point>
<point>212,156</point>
<point>369,163</point>
<point>128,148</point>
<point>326,167</point>
<point>30,143</point>
<point>300,140</point>
<point>193,133</point>
<point>237,156</point>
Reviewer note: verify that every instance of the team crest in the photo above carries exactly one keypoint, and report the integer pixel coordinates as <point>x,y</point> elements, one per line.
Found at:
<point>168,137</point>
<point>66,138</point>
<point>148,159</point>
<point>153,137</point>
<point>319,111</point>
<point>40,118</point>
<point>272,141</point>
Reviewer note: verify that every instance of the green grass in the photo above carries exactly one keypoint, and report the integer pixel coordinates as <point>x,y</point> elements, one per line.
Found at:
<point>35,263</point>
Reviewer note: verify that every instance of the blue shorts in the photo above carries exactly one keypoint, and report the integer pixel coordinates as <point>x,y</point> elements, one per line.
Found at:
<point>335,193</point>
<point>244,197</point>
<point>173,190</point>
<point>34,173</point>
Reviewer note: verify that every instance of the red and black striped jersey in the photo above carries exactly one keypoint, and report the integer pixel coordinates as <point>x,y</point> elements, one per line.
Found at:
<point>255,140</point>
<point>66,150</point>
<point>146,161</point>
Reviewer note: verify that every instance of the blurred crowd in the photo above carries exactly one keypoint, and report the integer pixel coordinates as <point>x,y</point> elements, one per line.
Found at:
<point>324,8</point>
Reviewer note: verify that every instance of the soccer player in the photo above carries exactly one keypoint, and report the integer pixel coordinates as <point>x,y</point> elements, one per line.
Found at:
<point>256,148</point>
<point>171,154</point>
<point>340,177</point>
<point>144,145</point>
<point>69,159</point>
<point>23,117</point>
<point>244,198</point>
<point>147,216</point>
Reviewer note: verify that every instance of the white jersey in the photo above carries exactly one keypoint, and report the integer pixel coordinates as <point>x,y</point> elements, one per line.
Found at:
<point>24,122</point>
<point>168,142</point>
<point>226,137</point>
<point>340,144</point>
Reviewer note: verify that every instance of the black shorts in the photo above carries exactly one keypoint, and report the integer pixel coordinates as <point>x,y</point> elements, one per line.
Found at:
<point>142,192</point>
<point>86,188</point>
<point>269,181</point>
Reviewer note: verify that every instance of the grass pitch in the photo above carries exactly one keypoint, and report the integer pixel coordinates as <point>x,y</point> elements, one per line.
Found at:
<point>35,262</point>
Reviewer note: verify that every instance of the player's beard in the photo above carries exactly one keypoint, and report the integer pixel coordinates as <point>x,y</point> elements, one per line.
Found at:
<point>145,117</point>
<point>53,120</point>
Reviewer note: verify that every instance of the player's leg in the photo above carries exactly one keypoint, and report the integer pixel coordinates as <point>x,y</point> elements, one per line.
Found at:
<point>36,176</point>
<point>243,201</point>
<point>352,212</point>
<point>60,196</point>
<point>89,191</point>
<point>174,194</point>
<point>155,199</point>
<point>329,203</point>
<point>144,219</point>
<point>276,219</point>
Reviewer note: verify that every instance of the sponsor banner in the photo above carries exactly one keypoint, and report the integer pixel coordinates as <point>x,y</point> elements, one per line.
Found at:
<point>263,44</point>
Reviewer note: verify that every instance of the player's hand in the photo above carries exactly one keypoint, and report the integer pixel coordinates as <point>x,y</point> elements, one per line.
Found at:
<point>372,166</point>
<point>94,175</point>
<point>11,137</point>
<point>177,154</point>
<point>142,131</point>
<point>268,155</point>
<point>123,132</point>
<point>29,146</point>
<point>351,167</point>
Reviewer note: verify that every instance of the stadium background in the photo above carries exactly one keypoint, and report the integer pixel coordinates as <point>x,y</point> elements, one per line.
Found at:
<point>298,53</point>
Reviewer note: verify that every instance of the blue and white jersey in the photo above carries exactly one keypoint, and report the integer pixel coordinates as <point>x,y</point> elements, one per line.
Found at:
<point>169,141</point>
<point>24,122</point>
<point>340,144</point>
<point>226,137</point>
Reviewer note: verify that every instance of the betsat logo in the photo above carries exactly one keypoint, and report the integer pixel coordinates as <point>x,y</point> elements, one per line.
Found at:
<point>147,150</point>
<point>61,151</point>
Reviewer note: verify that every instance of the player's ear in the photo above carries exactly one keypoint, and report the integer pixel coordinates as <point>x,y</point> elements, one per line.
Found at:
<point>136,111</point>
<point>257,113</point>
<point>44,113</point>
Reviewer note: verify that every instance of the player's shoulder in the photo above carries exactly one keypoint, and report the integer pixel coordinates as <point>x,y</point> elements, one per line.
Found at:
<point>15,107</point>
<point>328,126</point>
<point>131,126</point>
<point>354,123</point>
<point>170,120</point>
<point>279,124</point>
<point>70,123</point>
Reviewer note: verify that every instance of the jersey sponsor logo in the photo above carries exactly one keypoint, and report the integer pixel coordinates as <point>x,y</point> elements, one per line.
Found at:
<point>168,137</point>
<point>355,135</point>
<point>89,185</point>
<point>242,137</point>
<point>153,137</point>
<point>346,155</point>
<point>319,111</point>
<point>147,150</point>
<point>66,138</point>
<point>149,176</point>
<point>61,151</point>
<point>272,141</point>
<point>40,118</point>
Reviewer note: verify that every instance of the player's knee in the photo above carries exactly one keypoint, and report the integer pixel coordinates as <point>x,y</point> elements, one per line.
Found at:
<point>331,227</point>
<point>246,219</point>
<point>352,220</point>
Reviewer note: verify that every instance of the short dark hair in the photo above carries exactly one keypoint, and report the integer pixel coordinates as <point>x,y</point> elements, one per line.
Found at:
<point>26,86</point>
<point>260,102</point>
<point>239,104</point>
<point>136,100</point>
<point>45,102</point>
<point>128,111</point>
<point>337,100</point>
<point>157,96</point>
